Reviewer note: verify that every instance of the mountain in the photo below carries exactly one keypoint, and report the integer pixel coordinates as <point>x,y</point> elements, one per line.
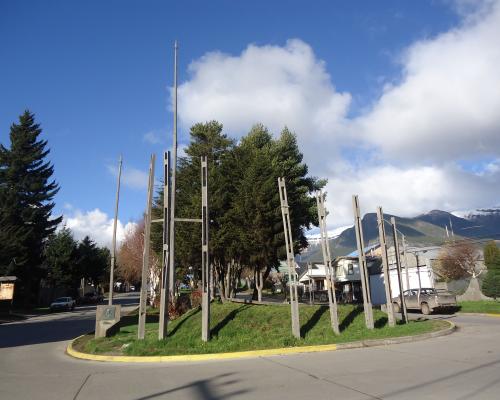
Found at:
<point>423,230</point>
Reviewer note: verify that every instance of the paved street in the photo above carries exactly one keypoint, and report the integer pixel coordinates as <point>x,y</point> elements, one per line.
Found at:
<point>464,365</point>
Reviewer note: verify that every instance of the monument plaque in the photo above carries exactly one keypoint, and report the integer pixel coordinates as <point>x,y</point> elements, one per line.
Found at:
<point>106,321</point>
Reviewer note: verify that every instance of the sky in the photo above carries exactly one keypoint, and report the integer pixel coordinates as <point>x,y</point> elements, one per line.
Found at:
<point>396,101</point>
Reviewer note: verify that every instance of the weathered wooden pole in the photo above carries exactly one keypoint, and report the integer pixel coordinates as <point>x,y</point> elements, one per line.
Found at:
<point>363,270</point>
<point>172,191</point>
<point>385,265</point>
<point>205,260</point>
<point>294,301</point>
<point>113,244</point>
<point>398,266</point>
<point>164,294</point>
<point>327,260</point>
<point>145,255</point>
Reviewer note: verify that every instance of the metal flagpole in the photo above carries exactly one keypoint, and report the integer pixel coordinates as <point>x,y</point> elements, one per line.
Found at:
<point>173,188</point>
<point>145,255</point>
<point>205,261</point>
<point>363,270</point>
<point>113,246</point>
<point>385,264</point>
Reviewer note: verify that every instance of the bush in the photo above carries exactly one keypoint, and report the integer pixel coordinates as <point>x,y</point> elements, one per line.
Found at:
<point>491,284</point>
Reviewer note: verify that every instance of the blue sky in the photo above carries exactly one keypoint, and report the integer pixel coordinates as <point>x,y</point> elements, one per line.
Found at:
<point>97,76</point>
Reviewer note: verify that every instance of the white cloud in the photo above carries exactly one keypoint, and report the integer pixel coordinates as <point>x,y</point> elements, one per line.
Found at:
<point>131,177</point>
<point>273,85</point>
<point>97,225</point>
<point>446,105</point>
<point>407,191</point>
<point>404,150</point>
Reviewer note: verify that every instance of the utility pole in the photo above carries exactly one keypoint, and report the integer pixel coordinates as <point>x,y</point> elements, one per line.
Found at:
<point>113,245</point>
<point>327,260</point>
<point>385,264</point>
<point>292,279</point>
<point>165,278</point>
<point>172,192</point>
<point>404,312</point>
<point>145,255</point>
<point>363,270</point>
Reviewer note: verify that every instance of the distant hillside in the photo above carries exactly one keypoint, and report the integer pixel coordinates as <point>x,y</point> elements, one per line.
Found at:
<point>424,230</point>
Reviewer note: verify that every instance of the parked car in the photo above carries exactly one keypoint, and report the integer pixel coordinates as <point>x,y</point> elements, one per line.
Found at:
<point>426,300</point>
<point>63,303</point>
<point>91,298</point>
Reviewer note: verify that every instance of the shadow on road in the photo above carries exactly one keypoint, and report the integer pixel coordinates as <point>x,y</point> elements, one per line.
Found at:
<point>53,327</point>
<point>204,389</point>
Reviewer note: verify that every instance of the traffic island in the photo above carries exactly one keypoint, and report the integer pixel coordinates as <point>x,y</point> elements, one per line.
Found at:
<point>246,330</point>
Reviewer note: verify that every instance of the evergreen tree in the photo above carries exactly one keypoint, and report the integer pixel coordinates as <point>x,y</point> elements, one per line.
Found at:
<point>61,260</point>
<point>26,203</point>
<point>92,261</point>
<point>491,283</point>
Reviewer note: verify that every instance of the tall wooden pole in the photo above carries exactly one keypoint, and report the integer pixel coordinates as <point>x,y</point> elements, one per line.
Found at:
<point>113,245</point>
<point>385,264</point>
<point>165,275</point>
<point>294,302</point>
<point>398,266</point>
<point>205,260</point>
<point>327,260</point>
<point>363,270</point>
<point>172,192</point>
<point>145,255</point>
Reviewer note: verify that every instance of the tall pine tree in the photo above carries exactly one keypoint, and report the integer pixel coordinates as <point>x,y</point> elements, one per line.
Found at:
<point>26,202</point>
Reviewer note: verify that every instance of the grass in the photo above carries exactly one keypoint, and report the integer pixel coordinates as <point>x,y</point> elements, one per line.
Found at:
<point>239,327</point>
<point>483,306</point>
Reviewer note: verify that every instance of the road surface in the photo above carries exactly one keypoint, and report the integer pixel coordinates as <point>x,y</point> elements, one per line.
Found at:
<point>464,365</point>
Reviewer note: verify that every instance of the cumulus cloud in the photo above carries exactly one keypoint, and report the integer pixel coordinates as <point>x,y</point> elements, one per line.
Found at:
<point>405,151</point>
<point>274,85</point>
<point>97,225</point>
<point>408,191</point>
<point>446,105</point>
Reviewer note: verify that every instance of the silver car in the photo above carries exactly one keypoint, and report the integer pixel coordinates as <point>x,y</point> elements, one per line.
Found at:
<point>63,303</point>
<point>426,300</point>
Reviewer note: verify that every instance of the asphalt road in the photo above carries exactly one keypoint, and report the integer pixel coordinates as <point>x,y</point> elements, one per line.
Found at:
<point>464,365</point>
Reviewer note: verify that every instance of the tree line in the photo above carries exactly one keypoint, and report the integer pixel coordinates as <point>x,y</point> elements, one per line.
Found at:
<point>246,228</point>
<point>31,248</point>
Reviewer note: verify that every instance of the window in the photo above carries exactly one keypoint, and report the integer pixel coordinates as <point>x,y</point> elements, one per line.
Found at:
<point>350,269</point>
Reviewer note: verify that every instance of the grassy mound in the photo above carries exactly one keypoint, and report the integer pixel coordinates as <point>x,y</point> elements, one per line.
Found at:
<point>239,327</point>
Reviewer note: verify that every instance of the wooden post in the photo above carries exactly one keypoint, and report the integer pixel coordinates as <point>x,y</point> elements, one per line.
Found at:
<point>398,266</point>
<point>205,261</point>
<point>327,260</point>
<point>294,302</point>
<point>113,245</point>
<point>363,270</point>
<point>385,264</point>
<point>165,272</point>
<point>145,258</point>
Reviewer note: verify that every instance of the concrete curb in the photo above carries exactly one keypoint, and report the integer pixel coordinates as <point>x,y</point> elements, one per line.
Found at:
<point>479,314</point>
<point>258,353</point>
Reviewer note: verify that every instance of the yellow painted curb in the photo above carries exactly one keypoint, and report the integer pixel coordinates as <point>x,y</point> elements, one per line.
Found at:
<point>199,357</point>
<point>493,315</point>
<point>258,353</point>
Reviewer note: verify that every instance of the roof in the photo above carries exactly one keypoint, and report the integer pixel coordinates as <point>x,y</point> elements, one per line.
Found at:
<point>8,278</point>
